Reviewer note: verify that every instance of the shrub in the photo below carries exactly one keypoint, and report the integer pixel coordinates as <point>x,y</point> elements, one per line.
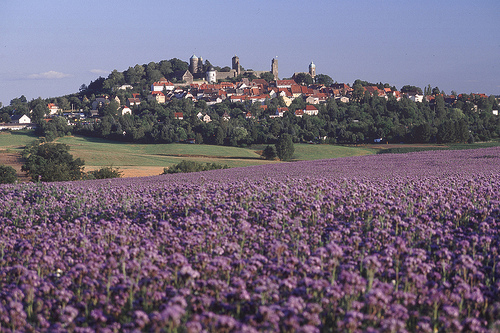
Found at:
<point>7,174</point>
<point>191,166</point>
<point>269,153</point>
<point>103,173</point>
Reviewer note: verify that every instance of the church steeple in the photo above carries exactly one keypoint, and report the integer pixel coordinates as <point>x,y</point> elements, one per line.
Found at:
<point>312,69</point>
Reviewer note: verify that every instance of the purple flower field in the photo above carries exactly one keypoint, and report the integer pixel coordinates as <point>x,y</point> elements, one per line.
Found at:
<point>381,243</point>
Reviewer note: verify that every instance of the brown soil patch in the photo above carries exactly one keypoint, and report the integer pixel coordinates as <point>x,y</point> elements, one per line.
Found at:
<point>138,171</point>
<point>142,172</point>
<point>16,161</point>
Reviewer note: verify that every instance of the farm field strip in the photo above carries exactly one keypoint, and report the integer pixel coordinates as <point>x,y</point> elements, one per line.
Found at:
<point>380,243</point>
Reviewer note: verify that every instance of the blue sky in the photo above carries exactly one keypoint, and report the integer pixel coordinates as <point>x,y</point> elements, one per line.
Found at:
<point>49,48</point>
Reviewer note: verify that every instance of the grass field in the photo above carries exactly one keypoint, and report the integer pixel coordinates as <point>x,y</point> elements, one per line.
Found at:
<point>316,152</point>
<point>154,157</point>
<point>150,159</point>
<point>14,141</point>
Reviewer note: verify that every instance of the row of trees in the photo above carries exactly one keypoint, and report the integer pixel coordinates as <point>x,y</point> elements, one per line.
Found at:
<point>470,118</point>
<point>360,121</point>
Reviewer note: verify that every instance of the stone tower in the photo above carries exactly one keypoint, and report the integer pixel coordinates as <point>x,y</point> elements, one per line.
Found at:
<point>274,68</point>
<point>312,69</point>
<point>236,65</point>
<point>194,64</point>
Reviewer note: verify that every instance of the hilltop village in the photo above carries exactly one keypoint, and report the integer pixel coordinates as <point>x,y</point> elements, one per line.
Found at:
<point>170,100</point>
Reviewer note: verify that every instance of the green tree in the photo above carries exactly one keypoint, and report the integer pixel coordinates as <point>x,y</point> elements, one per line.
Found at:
<point>423,133</point>
<point>131,76</point>
<point>303,78</point>
<point>284,147</point>
<point>269,153</point>
<point>323,79</point>
<point>7,174</point>
<point>114,79</point>
<point>411,89</point>
<point>104,173</point>
<point>39,110</point>
<point>165,67</point>
<point>220,136</point>
<point>51,162</point>
<point>179,65</point>
<point>268,76</point>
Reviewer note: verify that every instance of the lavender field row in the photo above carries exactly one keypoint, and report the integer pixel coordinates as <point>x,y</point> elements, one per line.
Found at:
<point>380,243</point>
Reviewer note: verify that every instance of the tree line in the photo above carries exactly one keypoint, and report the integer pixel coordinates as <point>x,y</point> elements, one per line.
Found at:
<point>355,122</point>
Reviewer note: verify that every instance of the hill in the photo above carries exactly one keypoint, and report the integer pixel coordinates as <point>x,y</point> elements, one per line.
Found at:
<point>148,104</point>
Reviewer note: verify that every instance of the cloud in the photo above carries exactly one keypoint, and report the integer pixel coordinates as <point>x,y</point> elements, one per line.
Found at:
<point>99,71</point>
<point>50,75</point>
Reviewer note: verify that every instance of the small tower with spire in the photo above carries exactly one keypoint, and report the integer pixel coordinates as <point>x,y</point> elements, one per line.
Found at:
<point>312,69</point>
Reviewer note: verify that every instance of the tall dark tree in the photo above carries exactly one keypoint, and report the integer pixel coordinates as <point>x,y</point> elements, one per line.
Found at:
<point>284,147</point>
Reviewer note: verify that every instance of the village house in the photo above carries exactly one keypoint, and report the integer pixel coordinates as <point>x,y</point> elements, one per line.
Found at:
<point>100,102</point>
<point>134,101</point>
<point>311,110</point>
<point>279,113</point>
<point>53,109</point>
<point>20,119</point>
<point>157,96</point>
<point>126,110</point>
<point>161,85</point>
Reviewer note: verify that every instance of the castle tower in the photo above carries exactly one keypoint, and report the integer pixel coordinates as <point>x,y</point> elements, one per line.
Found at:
<point>211,75</point>
<point>312,69</point>
<point>274,68</point>
<point>194,64</point>
<point>236,65</point>
<point>200,65</point>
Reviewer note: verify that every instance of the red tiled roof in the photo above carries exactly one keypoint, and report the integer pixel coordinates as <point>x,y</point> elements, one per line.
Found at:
<point>285,82</point>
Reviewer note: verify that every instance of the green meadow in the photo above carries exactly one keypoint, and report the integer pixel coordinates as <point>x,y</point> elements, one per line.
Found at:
<point>152,158</point>
<point>15,141</point>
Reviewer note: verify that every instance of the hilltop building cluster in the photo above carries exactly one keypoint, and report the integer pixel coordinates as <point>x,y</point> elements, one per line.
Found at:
<point>211,75</point>
<point>203,82</point>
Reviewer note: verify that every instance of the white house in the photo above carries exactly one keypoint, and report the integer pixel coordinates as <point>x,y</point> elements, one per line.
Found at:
<point>24,119</point>
<point>310,110</point>
<point>53,108</point>
<point>162,84</point>
<point>126,110</point>
<point>416,97</point>
<point>125,87</point>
